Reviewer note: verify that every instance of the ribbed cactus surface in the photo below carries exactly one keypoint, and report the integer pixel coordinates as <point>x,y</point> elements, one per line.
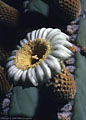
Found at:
<point>8,14</point>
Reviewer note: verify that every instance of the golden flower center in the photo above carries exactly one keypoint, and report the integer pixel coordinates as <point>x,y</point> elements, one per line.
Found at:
<point>32,53</point>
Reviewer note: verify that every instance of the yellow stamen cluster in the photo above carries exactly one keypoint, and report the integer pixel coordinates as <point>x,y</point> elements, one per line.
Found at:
<point>32,53</point>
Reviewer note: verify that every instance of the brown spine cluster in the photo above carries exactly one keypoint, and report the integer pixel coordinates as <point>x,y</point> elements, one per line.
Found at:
<point>62,85</point>
<point>4,85</point>
<point>8,14</point>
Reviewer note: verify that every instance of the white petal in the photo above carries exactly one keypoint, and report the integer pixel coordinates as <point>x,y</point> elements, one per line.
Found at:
<point>53,33</point>
<point>31,79</point>
<point>53,58</point>
<point>12,70</point>
<point>53,63</point>
<point>39,73</point>
<point>58,37</point>
<point>46,32</point>
<point>33,35</point>
<point>11,58</point>
<point>18,47</point>
<point>12,73</point>
<point>23,77</point>
<point>14,52</point>
<point>21,43</point>
<point>37,33</point>
<point>34,74</point>
<point>41,32</point>
<point>25,41</point>
<point>61,47</point>
<point>46,69</point>
<point>62,42</point>
<point>67,37</point>
<point>29,74</point>
<point>61,54</point>
<point>10,63</point>
<point>18,75</point>
<point>28,36</point>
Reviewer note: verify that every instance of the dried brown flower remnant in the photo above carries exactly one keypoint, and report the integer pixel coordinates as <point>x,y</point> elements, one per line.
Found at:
<point>4,85</point>
<point>63,85</point>
<point>8,14</point>
<point>65,112</point>
<point>75,49</point>
<point>64,116</point>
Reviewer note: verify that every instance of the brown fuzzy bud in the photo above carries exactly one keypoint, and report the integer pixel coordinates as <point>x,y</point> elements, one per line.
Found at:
<point>8,14</point>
